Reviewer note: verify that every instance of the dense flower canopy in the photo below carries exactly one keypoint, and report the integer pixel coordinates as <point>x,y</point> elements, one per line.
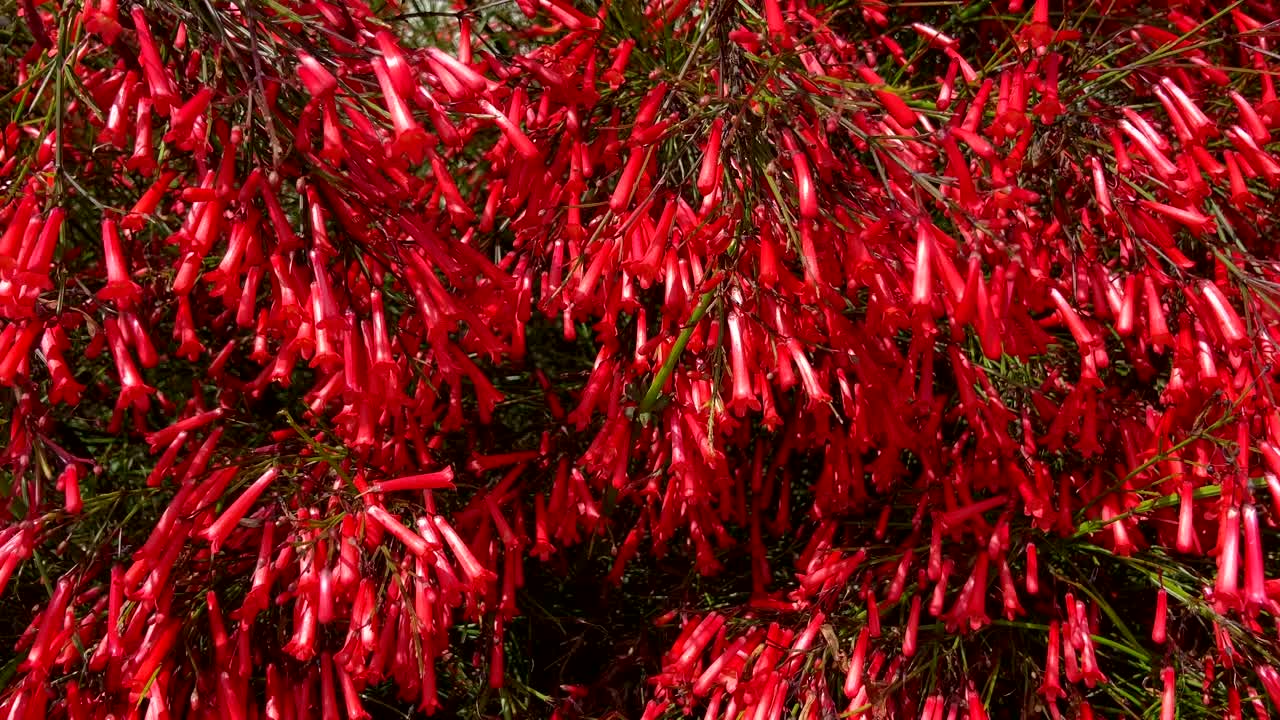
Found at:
<point>653,358</point>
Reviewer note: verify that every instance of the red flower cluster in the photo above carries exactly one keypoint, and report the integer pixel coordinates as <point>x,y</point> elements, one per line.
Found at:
<point>951,298</point>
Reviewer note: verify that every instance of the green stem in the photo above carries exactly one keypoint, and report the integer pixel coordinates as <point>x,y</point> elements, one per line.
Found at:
<point>1151,462</point>
<point>1105,642</point>
<point>1164,501</point>
<point>654,392</point>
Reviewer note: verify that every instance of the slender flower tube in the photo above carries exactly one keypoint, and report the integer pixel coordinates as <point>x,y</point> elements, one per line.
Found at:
<point>18,224</point>
<point>744,397</point>
<point>622,192</point>
<point>1190,218</point>
<point>463,73</point>
<point>476,573</point>
<point>853,679</point>
<point>709,172</point>
<point>1033,570</point>
<point>1226,319</point>
<point>513,133</point>
<point>922,285</point>
<point>1158,631</point>
<point>183,120</point>
<point>806,194</point>
<point>35,262</point>
<point>120,287</point>
<point>1249,119</point>
<point>1051,687</point>
<point>43,653</point>
<point>410,138</point>
<point>320,83</point>
<point>913,628</point>
<point>1226,586</point>
<point>1255,592</point>
<point>220,529</point>
<point>133,390</point>
<point>1168,698</point>
<point>163,96</point>
<point>1241,196</point>
<point>1159,162</point>
<point>438,480</point>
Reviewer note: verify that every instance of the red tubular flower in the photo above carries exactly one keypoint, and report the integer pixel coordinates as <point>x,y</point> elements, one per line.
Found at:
<point>473,81</point>
<point>1089,670</point>
<point>621,58</point>
<point>1083,337</point>
<point>514,135</point>
<point>143,158</point>
<point>1201,126</point>
<point>1249,119</point>
<point>1150,149</point>
<point>1100,190</point>
<point>410,139</point>
<point>1168,699</point>
<point>651,105</point>
<point>113,131</point>
<point>19,224</point>
<point>133,390</point>
<point>775,23</point>
<point>15,549</point>
<point>743,397</point>
<point>163,96</point>
<point>352,704</point>
<point>16,356</point>
<point>934,37</point>
<point>622,193</point>
<point>103,20</point>
<point>438,480</point>
<point>1228,323</point>
<point>913,628</point>
<point>197,420</point>
<point>926,249</point>
<point>318,81</point>
<point>1050,107</point>
<point>477,575</point>
<point>1258,160</point>
<point>120,288</point>
<point>1270,678</point>
<point>36,258</point>
<point>808,199</point>
<point>182,121</point>
<point>65,387</point>
<point>1226,585</point>
<point>958,168</point>
<point>853,679</point>
<point>1241,196</point>
<point>220,529</point>
<point>163,465</point>
<point>1255,594</point>
<point>710,172</point>
<point>480,464</point>
<point>542,547</point>
<point>1186,540</point>
<point>1191,219</point>
<point>69,482</point>
<point>41,656</point>
<point>897,108</point>
<point>1158,634</point>
<point>302,644</point>
<point>149,201</point>
<point>458,208</point>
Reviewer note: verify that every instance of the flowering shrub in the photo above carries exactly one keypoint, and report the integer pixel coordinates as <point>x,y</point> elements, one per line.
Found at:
<point>800,360</point>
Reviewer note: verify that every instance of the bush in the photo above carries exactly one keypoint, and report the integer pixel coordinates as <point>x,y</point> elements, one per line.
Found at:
<point>639,359</point>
